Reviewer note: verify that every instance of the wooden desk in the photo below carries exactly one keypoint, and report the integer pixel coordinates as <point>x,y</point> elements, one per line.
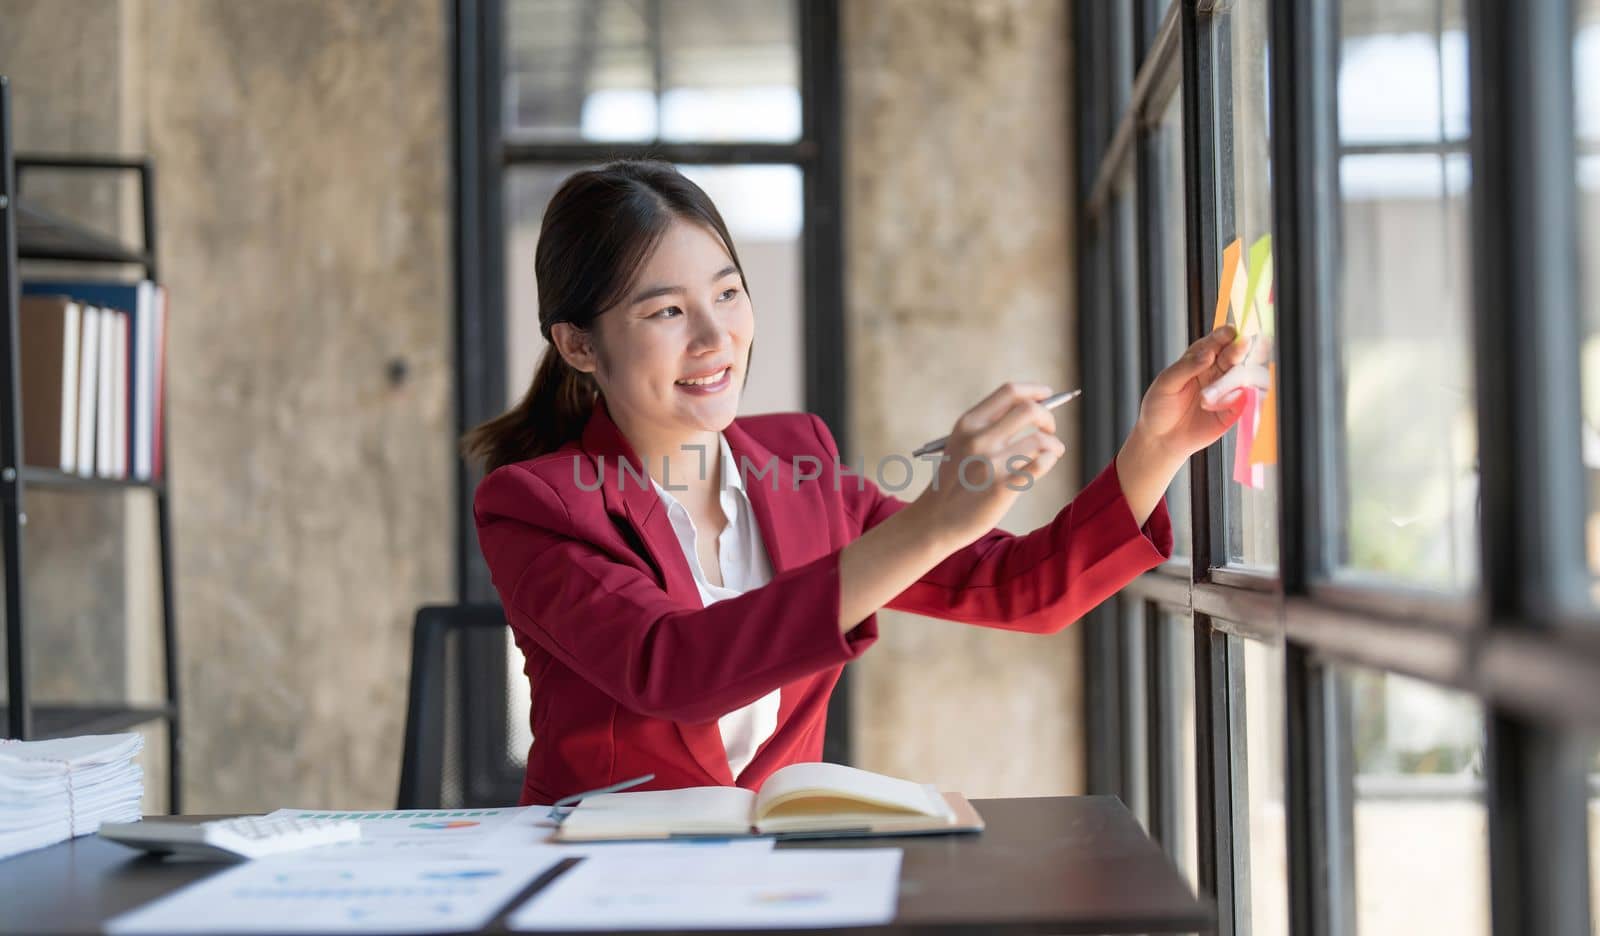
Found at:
<point>1064,864</point>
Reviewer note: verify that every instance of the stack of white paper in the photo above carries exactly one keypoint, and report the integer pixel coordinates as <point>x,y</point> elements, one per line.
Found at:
<point>51,791</point>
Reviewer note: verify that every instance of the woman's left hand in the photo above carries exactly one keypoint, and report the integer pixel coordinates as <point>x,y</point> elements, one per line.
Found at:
<point>1178,416</point>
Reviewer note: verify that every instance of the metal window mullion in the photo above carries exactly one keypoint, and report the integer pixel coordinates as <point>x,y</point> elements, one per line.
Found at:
<point>1524,277</point>
<point>822,236</point>
<point>1318,799</point>
<point>1217,804</point>
<point>1105,732</point>
<point>1104,729</point>
<point>1538,839</point>
<point>1207,495</point>
<point>1443,147</point>
<point>1103,689</point>
<point>19,715</point>
<point>480,328</point>
<point>802,152</point>
<point>1218,787</point>
<point>1305,204</point>
<point>1090,90</point>
<point>1524,289</point>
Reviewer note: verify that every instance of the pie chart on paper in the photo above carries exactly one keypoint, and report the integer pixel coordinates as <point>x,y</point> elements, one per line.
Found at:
<point>444,824</point>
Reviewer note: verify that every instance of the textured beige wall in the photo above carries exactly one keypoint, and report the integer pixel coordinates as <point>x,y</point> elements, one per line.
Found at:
<point>303,147</point>
<point>302,151</point>
<point>959,277</point>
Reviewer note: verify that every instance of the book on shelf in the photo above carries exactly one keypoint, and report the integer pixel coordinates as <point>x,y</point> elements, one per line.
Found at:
<point>88,390</point>
<point>122,331</point>
<point>798,801</point>
<point>50,336</point>
<point>105,428</point>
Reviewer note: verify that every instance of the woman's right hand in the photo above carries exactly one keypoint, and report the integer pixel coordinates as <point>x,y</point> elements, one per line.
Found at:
<point>983,470</point>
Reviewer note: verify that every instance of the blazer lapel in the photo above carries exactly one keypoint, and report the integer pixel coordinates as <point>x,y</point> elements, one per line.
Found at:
<point>628,494</point>
<point>639,504</point>
<point>780,509</point>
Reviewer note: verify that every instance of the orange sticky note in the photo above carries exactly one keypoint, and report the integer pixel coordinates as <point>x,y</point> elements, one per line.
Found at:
<point>1264,447</point>
<point>1230,268</point>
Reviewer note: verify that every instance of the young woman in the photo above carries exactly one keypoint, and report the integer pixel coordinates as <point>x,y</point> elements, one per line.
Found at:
<point>685,585</point>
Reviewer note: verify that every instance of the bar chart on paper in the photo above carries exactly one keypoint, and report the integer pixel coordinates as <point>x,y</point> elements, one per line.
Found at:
<point>428,831</point>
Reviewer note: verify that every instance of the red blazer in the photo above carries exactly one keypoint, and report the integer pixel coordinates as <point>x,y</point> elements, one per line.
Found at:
<point>630,672</point>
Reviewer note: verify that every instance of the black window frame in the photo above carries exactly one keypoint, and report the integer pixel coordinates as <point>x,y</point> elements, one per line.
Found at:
<point>1526,643</point>
<point>481,159</point>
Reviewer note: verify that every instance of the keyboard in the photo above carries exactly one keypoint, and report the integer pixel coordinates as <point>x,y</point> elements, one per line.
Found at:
<point>230,839</point>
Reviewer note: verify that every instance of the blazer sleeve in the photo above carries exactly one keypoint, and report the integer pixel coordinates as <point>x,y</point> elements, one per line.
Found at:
<point>1038,582</point>
<point>604,615</point>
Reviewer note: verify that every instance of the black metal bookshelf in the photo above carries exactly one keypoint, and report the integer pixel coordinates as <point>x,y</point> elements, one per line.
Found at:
<point>28,233</point>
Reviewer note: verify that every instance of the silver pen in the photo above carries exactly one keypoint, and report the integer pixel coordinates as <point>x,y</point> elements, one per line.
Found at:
<point>1049,402</point>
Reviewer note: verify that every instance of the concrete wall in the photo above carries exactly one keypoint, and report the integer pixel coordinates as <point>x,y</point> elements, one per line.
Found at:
<point>960,252</point>
<point>302,158</point>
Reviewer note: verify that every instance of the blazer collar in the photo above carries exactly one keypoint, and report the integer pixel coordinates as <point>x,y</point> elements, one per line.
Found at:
<point>769,482</point>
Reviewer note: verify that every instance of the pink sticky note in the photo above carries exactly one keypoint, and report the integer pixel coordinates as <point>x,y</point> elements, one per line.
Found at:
<point>1243,472</point>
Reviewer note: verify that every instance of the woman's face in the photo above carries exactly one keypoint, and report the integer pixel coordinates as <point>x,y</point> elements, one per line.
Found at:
<point>685,318</point>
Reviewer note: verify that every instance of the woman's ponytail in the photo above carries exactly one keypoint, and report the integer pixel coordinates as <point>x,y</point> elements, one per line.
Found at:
<point>598,230</point>
<point>550,414</point>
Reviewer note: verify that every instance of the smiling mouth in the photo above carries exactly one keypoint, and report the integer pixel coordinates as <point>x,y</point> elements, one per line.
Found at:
<point>714,380</point>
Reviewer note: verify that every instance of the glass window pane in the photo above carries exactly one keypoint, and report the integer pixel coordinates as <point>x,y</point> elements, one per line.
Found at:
<point>1586,67</point>
<point>730,70</point>
<point>623,70</point>
<point>1265,831</point>
<point>1126,328</point>
<point>1244,208</point>
<point>1185,780</point>
<point>762,207</point>
<point>1421,827</point>
<point>578,70</point>
<point>1409,485</point>
<point>1171,306</point>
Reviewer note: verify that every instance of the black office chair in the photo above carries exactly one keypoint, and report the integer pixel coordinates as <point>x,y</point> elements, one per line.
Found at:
<point>458,744</point>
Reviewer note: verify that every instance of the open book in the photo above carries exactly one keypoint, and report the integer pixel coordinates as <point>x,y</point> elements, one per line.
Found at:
<point>797,801</point>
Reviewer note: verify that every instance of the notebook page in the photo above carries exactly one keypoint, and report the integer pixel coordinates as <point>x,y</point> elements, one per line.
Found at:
<point>695,810</point>
<point>798,781</point>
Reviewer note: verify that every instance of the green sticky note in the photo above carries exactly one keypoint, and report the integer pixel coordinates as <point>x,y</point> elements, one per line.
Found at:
<point>1263,296</point>
<point>1260,255</point>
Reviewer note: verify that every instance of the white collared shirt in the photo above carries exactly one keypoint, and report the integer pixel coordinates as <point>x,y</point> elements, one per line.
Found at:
<point>742,555</point>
